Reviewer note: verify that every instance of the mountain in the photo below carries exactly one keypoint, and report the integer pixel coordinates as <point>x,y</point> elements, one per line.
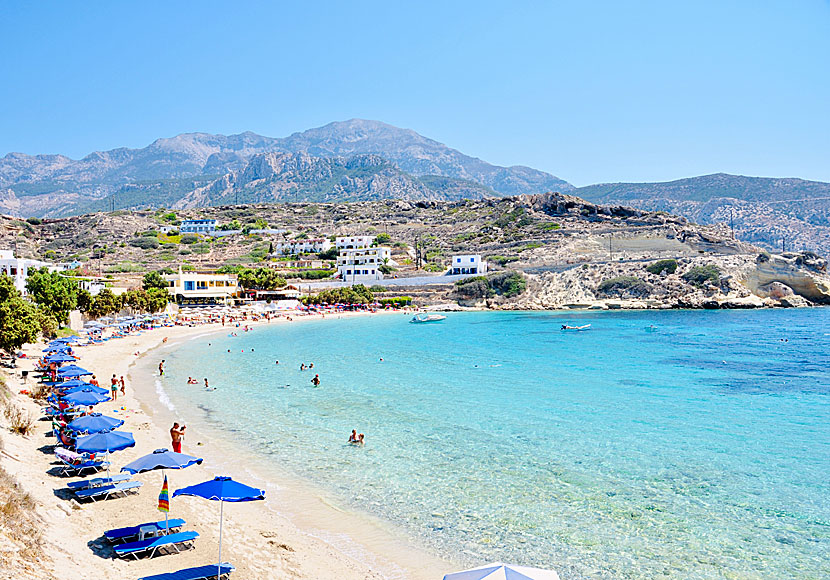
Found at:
<point>293,177</point>
<point>167,170</point>
<point>771,212</point>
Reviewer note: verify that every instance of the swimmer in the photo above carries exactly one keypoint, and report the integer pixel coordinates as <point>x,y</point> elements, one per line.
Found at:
<point>316,381</point>
<point>353,436</point>
<point>276,363</point>
<point>206,384</point>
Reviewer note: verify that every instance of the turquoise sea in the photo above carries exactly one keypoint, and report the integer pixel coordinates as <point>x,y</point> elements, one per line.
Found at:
<point>699,448</point>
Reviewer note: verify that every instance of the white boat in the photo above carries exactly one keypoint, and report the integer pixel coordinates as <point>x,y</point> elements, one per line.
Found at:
<point>427,318</point>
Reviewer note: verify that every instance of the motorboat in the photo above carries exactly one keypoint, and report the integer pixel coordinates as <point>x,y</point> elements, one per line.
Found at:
<point>419,318</point>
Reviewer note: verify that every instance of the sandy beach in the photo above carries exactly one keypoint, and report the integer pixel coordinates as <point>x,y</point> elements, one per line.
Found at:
<point>318,540</point>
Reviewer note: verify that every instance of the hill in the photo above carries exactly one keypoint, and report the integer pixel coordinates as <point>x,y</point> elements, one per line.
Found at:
<point>170,169</point>
<point>771,212</point>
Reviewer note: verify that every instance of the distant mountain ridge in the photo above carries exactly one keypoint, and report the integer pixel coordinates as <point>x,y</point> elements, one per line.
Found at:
<point>170,168</point>
<point>777,213</point>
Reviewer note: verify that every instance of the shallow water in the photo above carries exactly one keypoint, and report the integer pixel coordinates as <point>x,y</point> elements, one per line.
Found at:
<point>700,449</point>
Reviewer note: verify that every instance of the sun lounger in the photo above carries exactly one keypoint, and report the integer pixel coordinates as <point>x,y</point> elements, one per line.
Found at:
<point>105,491</point>
<point>131,533</point>
<point>153,545</point>
<point>97,481</point>
<point>78,462</point>
<point>197,573</point>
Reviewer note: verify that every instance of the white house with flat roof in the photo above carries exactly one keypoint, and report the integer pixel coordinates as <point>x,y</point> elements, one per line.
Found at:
<point>205,226</point>
<point>200,288</point>
<point>362,264</point>
<point>468,264</point>
<point>309,246</point>
<point>18,268</point>
<point>353,242</point>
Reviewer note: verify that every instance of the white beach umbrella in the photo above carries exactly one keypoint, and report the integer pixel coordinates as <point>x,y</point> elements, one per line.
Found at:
<point>499,571</point>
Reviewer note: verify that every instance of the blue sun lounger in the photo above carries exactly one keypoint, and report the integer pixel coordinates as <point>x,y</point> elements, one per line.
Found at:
<point>153,545</point>
<point>131,533</point>
<point>197,573</point>
<point>77,463</point>
<point>97,481</point>
<point>105,491</point>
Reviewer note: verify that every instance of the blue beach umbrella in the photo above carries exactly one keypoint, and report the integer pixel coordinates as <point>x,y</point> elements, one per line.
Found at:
<point>222,489</point>
<point>71,383</point>
<point>59,358</point>
<point>94,423</point>
<point>499,571</point>
<point>57,348</point>
<point>161,459</point>
<point>90,388</point>
<point>73,371</point>
<point>85,398</point>
<point>105,442</point>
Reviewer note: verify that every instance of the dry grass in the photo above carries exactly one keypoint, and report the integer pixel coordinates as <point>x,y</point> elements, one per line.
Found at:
<point>19,524</point>
<point>20,420</point>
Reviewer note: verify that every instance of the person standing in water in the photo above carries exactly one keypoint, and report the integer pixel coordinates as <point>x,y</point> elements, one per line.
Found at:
<point>161,368</point>
<point>316,381</point>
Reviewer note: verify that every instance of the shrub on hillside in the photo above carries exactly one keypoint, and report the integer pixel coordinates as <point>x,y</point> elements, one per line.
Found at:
<point>699,275</point>
<point>507,284</point>
<point>189,239</point>
<point>670,267</point>
<point>145,243</point>
<point>624,286</point>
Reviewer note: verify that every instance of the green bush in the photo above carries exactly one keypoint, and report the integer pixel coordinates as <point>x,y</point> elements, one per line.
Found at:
<point>149,234</point>
<point>309,274</point>
<point>145,243</point>
<point>34,221</point>
<point>624,286</point>
<point>330,254</point>
<point>699,275</point>
<point>189,239</point>
<point>383,238</point>
<point>502,260</point>
<point>399,301</point>
<point>357,294</point>
<point>670,266</point>
<point>507,284</point>
<point>377,288</point>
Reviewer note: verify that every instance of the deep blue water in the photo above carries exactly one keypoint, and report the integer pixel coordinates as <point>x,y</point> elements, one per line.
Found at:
<point>700,449</point>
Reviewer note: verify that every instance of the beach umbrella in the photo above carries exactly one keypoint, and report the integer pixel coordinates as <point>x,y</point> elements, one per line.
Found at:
<point>71,383</point>
<point>499,571</point>
<point>222,489</point>
<point>94,423</point>
<point>88,387</point>
<point>59,358</point>
<point>161,459</point>
<point>85,398</point>
<point>93,324</point>
<point>73,371</point>
<point>105,442</point>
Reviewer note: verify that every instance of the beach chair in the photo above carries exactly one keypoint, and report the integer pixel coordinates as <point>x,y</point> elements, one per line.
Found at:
<point>77,463</point>
<point>197,573</point>
<point>131,533</point>
<point>105,491</point>
<point>97,482</point>
<point>153,545</point>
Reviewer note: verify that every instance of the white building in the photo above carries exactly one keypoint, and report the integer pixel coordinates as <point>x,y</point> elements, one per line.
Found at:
<point>198,227</point>
<point>93,286</point>
<point>353,242</point>
<point>362,264</point>
<point>310,246</point>
<point>18,268</point>
<point>468,264</point>
<point>199,288</point>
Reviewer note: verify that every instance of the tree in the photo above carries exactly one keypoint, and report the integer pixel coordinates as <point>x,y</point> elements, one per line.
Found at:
<point>382,238</point>
<point>54,293</point>
<point>103,304</point>
<point>19,320</point>
<point>153,280</point>
<point>357,294</point>
<point>157,299</point>
<point>260,279</point>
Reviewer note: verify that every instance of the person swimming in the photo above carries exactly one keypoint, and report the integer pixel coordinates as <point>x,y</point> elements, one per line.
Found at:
<point>192,381</point>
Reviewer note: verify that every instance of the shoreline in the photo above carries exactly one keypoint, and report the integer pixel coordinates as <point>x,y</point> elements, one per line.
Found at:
<point>261,543</point>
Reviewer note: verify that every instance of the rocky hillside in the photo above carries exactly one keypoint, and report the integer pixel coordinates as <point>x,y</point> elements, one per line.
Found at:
<point>167,170</point>
<point>573,253</point>
<point>788,214</point>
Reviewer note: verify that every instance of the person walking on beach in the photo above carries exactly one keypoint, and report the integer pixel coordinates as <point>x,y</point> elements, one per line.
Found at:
<point>161,368</point>
<point>176,435</point>
<point>316,381</point>
<point>114,387</point>
<point>123,384</point>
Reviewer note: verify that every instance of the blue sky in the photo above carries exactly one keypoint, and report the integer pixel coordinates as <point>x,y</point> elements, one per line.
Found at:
<point>591,91</point>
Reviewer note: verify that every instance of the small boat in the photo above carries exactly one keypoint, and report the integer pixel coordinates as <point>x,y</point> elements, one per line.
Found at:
<point>584,327</point>
<point>427,318</point>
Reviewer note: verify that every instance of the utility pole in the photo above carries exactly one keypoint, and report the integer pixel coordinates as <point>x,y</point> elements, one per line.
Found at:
<point>732,220</point>
<point>783,245</point>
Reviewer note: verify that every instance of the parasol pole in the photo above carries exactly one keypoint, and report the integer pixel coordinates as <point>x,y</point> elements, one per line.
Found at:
<point>221,514</point>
